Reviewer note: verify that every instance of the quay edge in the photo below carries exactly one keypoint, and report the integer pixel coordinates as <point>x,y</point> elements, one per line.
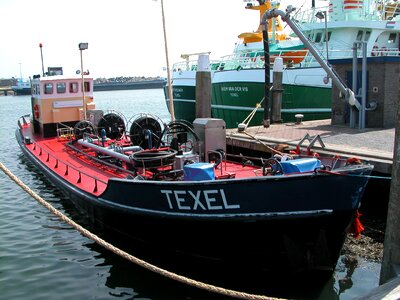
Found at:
<point>340,140</point>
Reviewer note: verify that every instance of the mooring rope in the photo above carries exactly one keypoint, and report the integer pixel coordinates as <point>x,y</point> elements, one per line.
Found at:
<point>248,119</point>
<point>131,258</point>
<point>272,150</point>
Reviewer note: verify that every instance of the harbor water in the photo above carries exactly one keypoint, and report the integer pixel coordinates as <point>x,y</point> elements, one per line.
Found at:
<point>43,258</point>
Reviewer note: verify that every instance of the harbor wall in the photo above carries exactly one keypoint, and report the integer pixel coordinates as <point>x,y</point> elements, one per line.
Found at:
<point>383,74</point>
<point>151,84</point>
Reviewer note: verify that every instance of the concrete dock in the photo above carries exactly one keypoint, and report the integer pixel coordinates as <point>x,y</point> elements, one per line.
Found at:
<point>371,144</point>
<point>4,91</point>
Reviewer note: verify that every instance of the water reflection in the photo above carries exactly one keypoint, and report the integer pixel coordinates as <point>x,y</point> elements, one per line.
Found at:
<point>345,283</point>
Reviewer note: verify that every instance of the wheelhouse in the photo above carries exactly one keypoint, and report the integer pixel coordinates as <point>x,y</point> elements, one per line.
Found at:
<point>58,100</point>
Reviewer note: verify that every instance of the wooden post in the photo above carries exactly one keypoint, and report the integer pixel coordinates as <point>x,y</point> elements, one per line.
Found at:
<point>170,93</point>
<point>391,251</point>
<point>277,91</point>
<point>203,87</point>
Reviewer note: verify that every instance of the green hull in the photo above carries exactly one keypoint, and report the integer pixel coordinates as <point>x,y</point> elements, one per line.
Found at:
<point>184,102</point>
<point>235,104</point>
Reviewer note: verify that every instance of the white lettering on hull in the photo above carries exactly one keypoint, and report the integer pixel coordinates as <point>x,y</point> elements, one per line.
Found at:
<point>198,200</point>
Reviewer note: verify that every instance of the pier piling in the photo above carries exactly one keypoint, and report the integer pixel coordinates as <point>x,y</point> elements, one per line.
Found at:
<point>391,253</point>
<point>277,91</point>
<point>203,87</point>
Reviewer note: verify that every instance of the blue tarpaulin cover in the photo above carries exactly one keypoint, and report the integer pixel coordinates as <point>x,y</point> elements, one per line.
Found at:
<point>300,165</point>
<point>198,171</point>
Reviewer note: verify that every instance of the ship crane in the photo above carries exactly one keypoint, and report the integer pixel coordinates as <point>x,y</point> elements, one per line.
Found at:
<point>347,92</point>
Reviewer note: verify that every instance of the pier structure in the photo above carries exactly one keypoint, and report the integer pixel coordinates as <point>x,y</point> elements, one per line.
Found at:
<point>374,104</point>
<point>6,90</point>
<point>134,85</point>
<point>371,144</point>
<point>5,86</point>
<point>380,77</point>
<point>375,145</point>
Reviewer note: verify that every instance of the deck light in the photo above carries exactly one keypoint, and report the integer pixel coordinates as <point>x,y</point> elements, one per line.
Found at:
<point>83,46</point>
<point>320,15</point>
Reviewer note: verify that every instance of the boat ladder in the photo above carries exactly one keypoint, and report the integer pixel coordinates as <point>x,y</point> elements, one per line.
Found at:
<point>312,140</point>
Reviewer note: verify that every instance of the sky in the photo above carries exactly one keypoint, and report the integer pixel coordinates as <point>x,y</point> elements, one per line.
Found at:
<point>125,37</point>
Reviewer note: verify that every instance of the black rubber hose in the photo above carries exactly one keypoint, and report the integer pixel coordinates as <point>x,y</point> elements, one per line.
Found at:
<point>151,159</point>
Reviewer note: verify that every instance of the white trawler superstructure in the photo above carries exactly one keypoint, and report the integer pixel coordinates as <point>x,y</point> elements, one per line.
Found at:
<point>238,79</point>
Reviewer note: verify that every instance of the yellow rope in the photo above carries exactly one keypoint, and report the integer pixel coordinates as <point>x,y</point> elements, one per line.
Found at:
<point>272,150</point>
<point>248,119</point>
<point>135,260</point>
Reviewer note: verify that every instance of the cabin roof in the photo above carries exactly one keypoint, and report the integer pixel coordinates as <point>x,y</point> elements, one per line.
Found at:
<point>64,77</point>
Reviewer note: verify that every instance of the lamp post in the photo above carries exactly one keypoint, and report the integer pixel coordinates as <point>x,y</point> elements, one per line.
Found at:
<point>322,15</point>
<point>41,55</point>
<point>83,46</point>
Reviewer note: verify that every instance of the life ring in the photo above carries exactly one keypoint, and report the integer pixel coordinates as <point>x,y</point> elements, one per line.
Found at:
<point>375,50</point>
<point>36,111</point>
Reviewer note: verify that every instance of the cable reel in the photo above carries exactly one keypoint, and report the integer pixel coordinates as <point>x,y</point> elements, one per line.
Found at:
<point>114,125</point>
<point>180,135</point>
<point>83,127</point>
<point>145,131</point>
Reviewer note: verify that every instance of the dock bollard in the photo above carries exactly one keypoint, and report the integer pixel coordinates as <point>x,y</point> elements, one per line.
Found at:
<point>299,118</point>
<point>242,127</point>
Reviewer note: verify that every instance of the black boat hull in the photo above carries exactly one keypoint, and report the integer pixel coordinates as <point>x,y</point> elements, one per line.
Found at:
<point>281,225</point>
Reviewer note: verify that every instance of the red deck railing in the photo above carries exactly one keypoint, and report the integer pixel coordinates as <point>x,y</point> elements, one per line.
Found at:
<point>55,163</point>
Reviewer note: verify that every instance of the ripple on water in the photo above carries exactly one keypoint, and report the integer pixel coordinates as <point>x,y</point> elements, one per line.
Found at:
<point>43,256</point>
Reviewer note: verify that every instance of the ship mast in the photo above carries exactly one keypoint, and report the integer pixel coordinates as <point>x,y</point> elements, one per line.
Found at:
<point>171,100</point>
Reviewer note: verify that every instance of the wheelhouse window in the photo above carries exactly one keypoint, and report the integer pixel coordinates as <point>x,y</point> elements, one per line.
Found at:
<point>61,87</point>
<point>359,35</point>
<point>392,38</point>
<point>367,35</point>
<point>87,86</point>
<point>35,89</point>
<point>318,37</point>
<point>48,88</point>
<point>329,36</point>
<point>73,87</point>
